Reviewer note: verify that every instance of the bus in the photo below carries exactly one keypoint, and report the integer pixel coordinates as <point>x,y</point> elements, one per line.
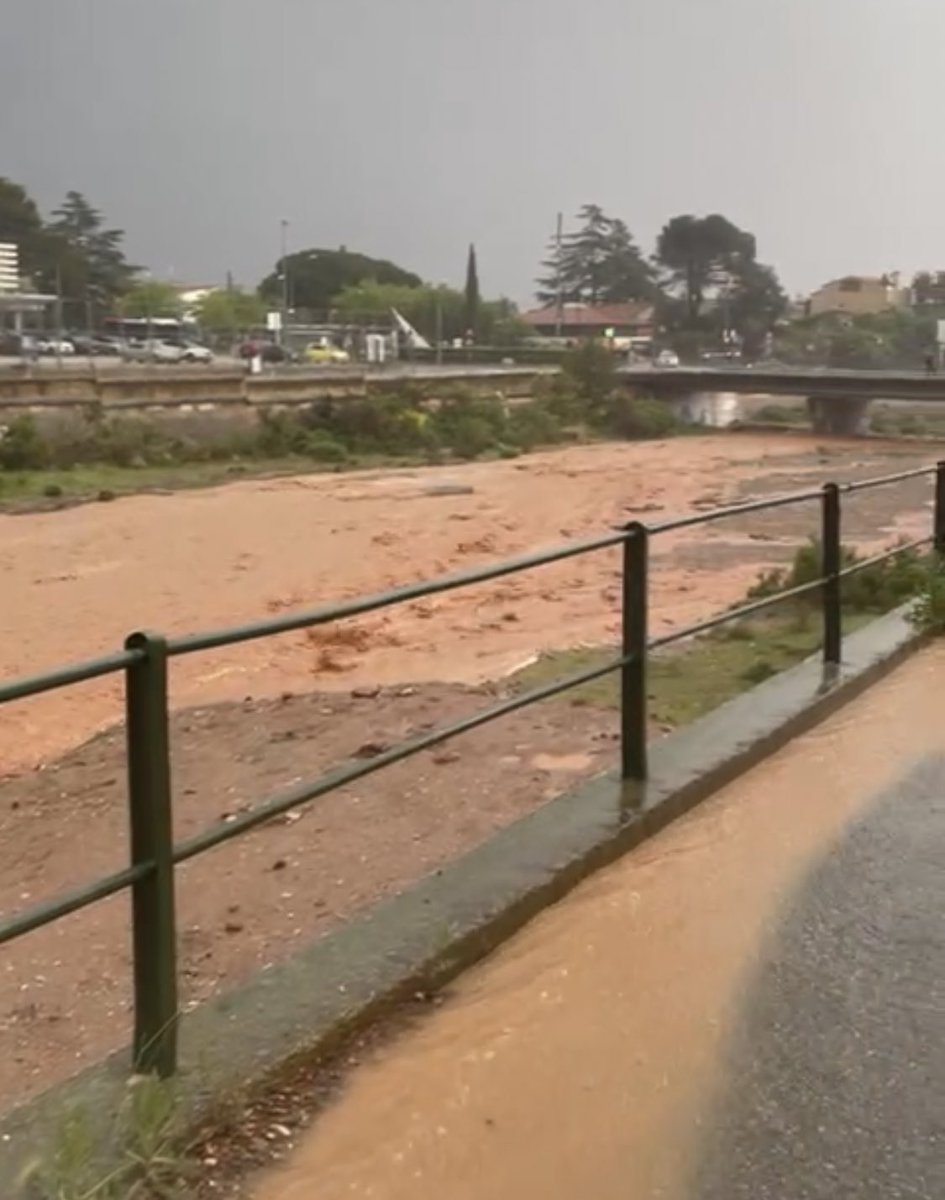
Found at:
<point>140,329</point>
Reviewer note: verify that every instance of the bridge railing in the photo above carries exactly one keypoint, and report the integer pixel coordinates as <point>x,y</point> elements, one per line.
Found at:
<point>144,662</point>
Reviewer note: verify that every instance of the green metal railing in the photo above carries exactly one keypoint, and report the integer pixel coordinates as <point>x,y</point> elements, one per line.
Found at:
<point>144,661</point>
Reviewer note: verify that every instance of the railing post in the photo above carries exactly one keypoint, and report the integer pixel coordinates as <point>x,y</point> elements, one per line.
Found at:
<point>633,700</point>
<point>938,531</point>
<point>830,570</point>
<point>151,826</point>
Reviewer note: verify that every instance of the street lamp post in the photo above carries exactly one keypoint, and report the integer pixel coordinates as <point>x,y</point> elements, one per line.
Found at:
<point>284,262</point>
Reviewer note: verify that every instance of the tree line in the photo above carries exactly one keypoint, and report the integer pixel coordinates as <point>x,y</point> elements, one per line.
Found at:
<point>77,257</point>
<point>704,270</point>
<point>704,279</point>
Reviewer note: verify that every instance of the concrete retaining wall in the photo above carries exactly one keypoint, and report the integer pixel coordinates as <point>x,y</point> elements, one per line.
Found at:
<point>129,388</point>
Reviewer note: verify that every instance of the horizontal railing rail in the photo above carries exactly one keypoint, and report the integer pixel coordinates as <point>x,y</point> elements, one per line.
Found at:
<point>144,663</point>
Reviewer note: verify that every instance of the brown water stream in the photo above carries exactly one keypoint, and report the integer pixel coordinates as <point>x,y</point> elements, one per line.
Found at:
<point>581,1059</point>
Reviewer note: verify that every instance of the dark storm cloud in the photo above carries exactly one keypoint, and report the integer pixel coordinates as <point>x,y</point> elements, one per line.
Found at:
<point>408,128</point>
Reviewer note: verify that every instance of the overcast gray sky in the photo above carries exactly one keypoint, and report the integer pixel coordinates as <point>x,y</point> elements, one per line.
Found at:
<point>408,128</point>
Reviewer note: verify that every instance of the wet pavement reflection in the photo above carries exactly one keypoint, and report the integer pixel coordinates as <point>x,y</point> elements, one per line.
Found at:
<point>728,1012</point>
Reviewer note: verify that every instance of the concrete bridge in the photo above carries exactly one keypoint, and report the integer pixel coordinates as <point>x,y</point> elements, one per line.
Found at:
<point>838,401</point>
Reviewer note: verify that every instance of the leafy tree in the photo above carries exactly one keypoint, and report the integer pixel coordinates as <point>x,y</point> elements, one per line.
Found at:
<point>92,266</point>
<point>702,254</point>
<point>756,304</point>
<point>928,288</point>
<point>20,222</point>
<point>897,339</point>
<point>471,316</point>
<point>151,298</point>
<point>316,276</point>
<point>625,273</point>
<point>230,311</point>
<point>713,284</point>
<point>598,264</point>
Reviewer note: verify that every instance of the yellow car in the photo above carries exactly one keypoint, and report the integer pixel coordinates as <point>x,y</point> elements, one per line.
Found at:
<point>325,352</point>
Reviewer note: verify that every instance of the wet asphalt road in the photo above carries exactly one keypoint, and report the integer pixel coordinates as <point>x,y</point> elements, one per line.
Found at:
<point>836,1076</point>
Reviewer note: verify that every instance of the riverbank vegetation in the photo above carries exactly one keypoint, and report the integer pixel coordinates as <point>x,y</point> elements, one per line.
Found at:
<point>689,680</point>
<point>101,452</point>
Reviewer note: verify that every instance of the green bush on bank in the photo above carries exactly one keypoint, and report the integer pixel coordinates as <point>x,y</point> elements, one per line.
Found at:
<point>928,612</point>
<point>588,393</point>
<point>461,422</point>
<point>875,589</point>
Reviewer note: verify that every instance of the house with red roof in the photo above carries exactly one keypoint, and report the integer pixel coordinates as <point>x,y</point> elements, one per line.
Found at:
<point>630,321</point>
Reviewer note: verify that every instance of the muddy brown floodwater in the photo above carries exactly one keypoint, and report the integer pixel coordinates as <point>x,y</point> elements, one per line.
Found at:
<point>583,1058</point>
<point>74,583</point>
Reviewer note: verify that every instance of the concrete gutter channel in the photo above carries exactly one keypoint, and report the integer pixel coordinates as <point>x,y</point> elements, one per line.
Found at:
<point>417,942</point>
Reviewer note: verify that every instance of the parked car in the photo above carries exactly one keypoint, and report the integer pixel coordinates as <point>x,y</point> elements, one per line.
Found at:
<point>136,350</point>
<point>172,350</point>
<point>94,346</point>
<point>166,350</point>
<point>193,352</point>
<point>325,352</point>
<point>54,345</point>
<point>667,358</point>
<point>269,352</point>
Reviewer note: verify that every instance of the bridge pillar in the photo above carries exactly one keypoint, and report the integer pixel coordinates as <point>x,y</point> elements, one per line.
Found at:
<point>847,415</point>
<point>715,410</point>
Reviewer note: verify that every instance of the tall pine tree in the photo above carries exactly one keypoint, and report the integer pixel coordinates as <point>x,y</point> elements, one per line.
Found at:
<point>599,264</point>
<point>93,265</point>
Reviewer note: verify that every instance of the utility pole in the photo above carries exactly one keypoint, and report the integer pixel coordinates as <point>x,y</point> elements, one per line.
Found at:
<point>559,298</point>
<point>58,315</point>
<point>284,263</point>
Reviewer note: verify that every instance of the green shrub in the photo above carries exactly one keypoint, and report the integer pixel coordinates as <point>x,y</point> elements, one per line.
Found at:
<point>387,424</point>
<point>471,436</point>
<point>592,371</point>
<point>928,612</point>
<point>130,442</point>
<point>135,1154</point>
<point>533,424</point>
<point>469,424</point>
<point>280,433</point>
<point>325,449</point>
<point>22,446</point>
<point>875,589</point>
<point>562,398</point>
<point>639,418</point>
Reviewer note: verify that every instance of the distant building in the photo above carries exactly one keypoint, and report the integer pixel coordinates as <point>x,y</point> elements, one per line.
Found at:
<point>859,295</point>
<point>9,267</point>
<point>17,299</point>
<point>632,321</point>
<point>190,294</point>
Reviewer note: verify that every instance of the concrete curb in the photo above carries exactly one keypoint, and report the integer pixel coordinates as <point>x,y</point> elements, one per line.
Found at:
<point>421,939</point>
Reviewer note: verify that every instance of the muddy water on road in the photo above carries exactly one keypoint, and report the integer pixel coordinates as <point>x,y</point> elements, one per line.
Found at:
<point>582,1058</point>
